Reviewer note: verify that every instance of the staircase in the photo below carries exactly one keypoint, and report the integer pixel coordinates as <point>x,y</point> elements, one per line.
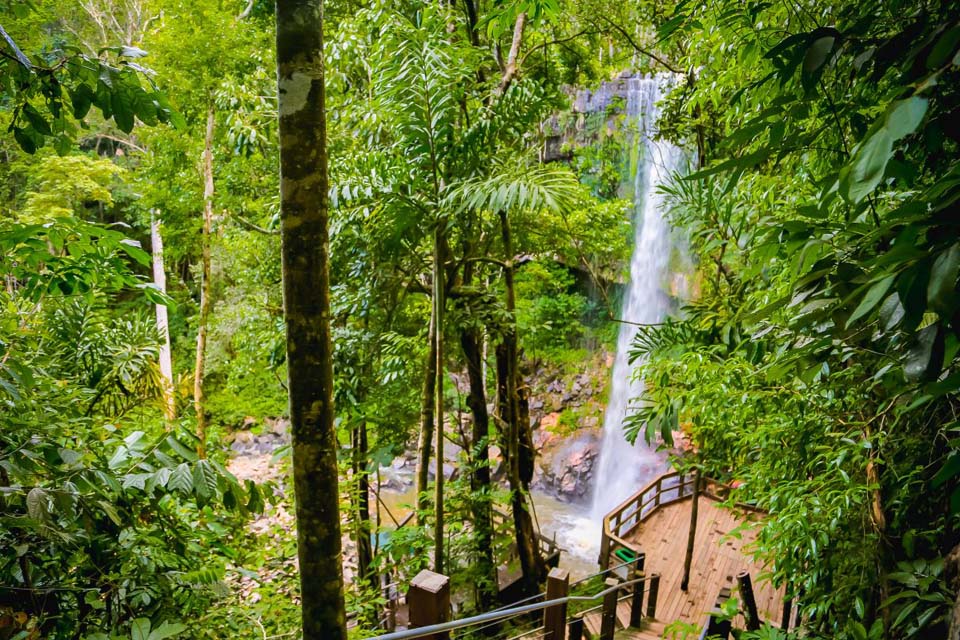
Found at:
<point>650,629</point>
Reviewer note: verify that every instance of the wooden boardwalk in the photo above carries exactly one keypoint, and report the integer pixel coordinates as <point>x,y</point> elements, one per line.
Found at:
<point>717,560</point>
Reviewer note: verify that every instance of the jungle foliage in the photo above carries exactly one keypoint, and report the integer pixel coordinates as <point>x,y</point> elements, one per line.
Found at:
<point>819,365</point>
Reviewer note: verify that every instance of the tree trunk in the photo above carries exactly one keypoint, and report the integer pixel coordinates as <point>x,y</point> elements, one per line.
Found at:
<point>480,479</point>
<point>306,294</point>
<point>163,327</point>
<point>425,445</point>
<point>198,399</point>
<point>360,454</point>
<point>512,66</point>
<point>531,562</point>
<point>438,303</point>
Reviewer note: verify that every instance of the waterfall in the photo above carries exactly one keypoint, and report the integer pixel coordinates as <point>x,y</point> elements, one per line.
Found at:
<point>623,468</point>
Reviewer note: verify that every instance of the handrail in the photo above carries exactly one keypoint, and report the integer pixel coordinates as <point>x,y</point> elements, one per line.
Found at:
<point>634,509</point>
<point>599,573</point>
<point>504,614</point>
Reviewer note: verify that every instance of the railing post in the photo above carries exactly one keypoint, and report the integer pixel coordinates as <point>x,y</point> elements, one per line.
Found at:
<point>604,559</point>
<point>652,597</point>
<point>576,628</point>
<point>785,621</point>
<point>608,615</point>
<point>717,625</point>
<point>429,601</point>
<point>636,604</point>
<point>748,601</point>
<point>555,617</point>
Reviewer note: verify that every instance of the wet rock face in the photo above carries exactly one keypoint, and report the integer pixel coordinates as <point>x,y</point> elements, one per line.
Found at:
<point>275,433</point>
<point>565,467</point>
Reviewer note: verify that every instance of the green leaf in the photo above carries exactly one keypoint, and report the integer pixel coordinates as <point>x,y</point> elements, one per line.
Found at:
<point>167,630</point>
<point>925,356</point>
<point>873,297</point>
<point>868,165</point>
<point>817,55</point>
<point>943,49</point>
<point>942,288</point>
<point>949,470</point>
<point>184,452</point>
<point>110,511</point>
<point>26,139</point>
<point>37,507</point>
<point>181,479</point>
<point>132,52</point>
<point>69,457</point>
<point>123,110</point>
<point>140,629</point>
<point>81,97</point>
<point>205,479</point>
<point>37,121</point>
<point>905,116</point>
<point>891,311</point>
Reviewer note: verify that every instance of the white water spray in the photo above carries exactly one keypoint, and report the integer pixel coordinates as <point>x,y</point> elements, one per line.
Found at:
<point>624,468</point>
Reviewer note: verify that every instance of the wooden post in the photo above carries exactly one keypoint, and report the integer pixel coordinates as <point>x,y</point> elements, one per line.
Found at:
<point>576,628</point>
<point>652,598</point>
<point>608,617</point>
<point>692,535</point>
<point>604,559</point>
<point>636,604</point>
<point>785,620</point>
<point>748,602</point>
<point>717,625</point>
<point>555,617</point>
<point>429,601</point>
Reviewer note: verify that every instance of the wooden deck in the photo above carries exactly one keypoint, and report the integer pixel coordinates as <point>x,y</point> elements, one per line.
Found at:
<point>717,559</point>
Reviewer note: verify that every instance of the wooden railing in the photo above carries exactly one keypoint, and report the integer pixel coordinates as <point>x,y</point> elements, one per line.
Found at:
<point>668,488</point>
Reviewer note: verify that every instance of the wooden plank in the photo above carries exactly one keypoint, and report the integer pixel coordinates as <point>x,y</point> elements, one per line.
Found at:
<point>716,560</point>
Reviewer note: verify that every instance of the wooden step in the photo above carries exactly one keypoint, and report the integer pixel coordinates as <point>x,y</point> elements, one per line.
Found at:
<point>649,630</point>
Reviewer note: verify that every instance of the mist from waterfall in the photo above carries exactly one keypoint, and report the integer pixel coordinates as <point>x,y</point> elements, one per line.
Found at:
<point>624,468</point>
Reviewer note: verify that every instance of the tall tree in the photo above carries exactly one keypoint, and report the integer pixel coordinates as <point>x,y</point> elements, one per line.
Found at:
<point>306,288</point>
<point>198,399</point>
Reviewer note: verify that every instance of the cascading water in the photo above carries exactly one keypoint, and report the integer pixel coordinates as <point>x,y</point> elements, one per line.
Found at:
<point>624,468</point>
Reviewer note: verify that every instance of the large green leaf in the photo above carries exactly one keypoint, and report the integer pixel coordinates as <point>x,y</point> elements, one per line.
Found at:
<point>868,165</point>
<point>871,299</point>
<point>942,288</point>
<point>167,630</point>
<point>140,629</point>
<point>925,357</point>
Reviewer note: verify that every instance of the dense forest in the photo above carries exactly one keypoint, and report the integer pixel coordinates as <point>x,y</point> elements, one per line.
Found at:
<point>374,230</point>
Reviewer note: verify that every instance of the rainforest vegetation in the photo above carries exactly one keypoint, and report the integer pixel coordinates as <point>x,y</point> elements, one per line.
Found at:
<point>217,214</point>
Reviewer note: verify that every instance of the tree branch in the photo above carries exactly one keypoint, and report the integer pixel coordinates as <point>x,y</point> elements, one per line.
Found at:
<point>510,71</point>
<point>543,45</point>
<point>253,227</point>
<point>666,65</point>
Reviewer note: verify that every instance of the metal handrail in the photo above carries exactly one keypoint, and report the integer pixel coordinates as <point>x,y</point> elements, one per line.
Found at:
<point>504,614</point>
<point>600,573</point>
<point>599,607</point>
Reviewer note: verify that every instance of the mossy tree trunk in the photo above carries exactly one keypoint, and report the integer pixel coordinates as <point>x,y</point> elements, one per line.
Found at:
<point>425,445</point>
<point>531,562</point>
<point>306,295</point>
<point>481,498</point>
